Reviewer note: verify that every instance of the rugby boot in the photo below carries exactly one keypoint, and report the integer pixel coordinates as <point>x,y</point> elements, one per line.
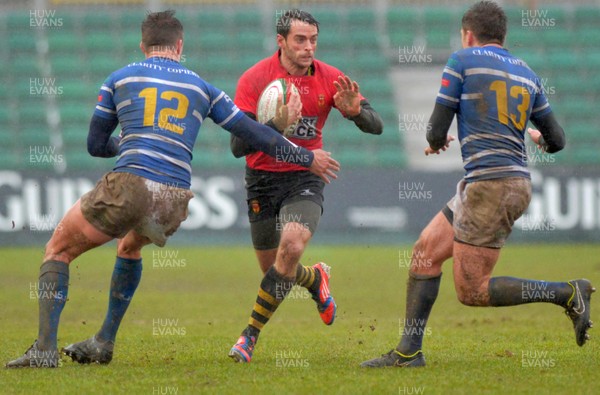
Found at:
<point>325,302</point>
<point>90,351</point>
<point>35,358</point>
<point>395,359</point>
<point>578,309</point>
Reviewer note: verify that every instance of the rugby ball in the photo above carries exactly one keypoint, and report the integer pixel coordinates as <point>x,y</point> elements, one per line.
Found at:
<point>267,102</point>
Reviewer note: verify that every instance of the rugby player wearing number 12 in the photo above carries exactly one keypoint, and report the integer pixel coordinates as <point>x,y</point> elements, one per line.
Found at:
<point>161,106</point>
<point>285,201</point>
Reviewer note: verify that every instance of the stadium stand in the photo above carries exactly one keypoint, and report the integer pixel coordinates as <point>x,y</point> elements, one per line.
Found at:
<point>94,42</point>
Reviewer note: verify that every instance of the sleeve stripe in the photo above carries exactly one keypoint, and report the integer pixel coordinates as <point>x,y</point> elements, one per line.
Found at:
<point>453,73</point>
<point>446,97</point>
<point>541,108</point>
<point>104,109</point>
<point>233,114</point>
<point>198,116</point>
<point>107,89</point>
<point>217,99</point>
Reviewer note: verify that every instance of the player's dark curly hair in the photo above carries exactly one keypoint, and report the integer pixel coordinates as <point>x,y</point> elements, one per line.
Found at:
<point>284,21</point>
<point>487,21</point>
<point>161,29</point>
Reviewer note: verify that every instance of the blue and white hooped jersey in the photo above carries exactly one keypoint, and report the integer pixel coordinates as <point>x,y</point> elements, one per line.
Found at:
<point>494,95</point>
<point>161,106</point>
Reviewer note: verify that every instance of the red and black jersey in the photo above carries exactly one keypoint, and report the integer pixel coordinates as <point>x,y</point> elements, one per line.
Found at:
<point>316,92</point>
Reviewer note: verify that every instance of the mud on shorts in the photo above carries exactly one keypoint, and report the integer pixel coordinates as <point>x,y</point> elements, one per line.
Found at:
<point>275,199</point>
<point>483,212</point>
<point>121,202</point>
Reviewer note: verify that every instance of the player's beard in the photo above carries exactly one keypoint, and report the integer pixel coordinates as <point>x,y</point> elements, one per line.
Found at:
<point>298,59</point>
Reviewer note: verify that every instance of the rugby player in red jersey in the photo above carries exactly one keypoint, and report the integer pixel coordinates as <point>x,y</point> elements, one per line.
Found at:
<point>160,106</point>
<point>285,202</point>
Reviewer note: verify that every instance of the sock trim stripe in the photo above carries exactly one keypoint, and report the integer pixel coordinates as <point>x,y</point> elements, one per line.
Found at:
<point>267,297</point>
<point>572,295</point>
<point>57,267</point>
<point>407,356</point>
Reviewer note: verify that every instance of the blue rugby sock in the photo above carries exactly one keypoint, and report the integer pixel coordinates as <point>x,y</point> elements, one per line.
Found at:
<point>125,279</point>
<point>53,285</point>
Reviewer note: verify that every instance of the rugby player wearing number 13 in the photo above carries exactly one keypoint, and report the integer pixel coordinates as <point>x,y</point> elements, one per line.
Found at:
<point>493,94</point>
<point>161,106</point>
<point>284,201</point>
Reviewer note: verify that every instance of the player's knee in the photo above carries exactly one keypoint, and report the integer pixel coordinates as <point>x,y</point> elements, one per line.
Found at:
<point>125,250</point>
<point>424,256</point>
<point>421,246</point>
<point>291,248</point>
<point>471,296</point>
<point>464,297</point>
<point>428,243</point>
<point>54,252</point>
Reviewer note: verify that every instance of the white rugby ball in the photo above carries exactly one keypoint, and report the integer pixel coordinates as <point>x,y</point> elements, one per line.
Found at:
<point>267,102</point>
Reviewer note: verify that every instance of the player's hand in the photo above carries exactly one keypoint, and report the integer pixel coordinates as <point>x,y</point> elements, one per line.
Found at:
<point>324,165</point>
<point>347,98</point>
<point>431,151</point>
<point>535,136</point>
<point>288,114</point>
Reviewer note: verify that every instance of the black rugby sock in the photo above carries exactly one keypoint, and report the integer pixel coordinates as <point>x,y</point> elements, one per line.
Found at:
<point>421,294</point>
<point>53,286</point>
<point>511,291</point>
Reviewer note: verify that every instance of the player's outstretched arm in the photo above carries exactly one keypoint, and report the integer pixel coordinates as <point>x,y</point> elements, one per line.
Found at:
<point>274,144</point>
<point>240,147</point>
<point>551,137</point>
<point>347,99</point>
<point>368,120</point>
<point>99,141</point>
<point>437,129</point>
<point>324,165</point>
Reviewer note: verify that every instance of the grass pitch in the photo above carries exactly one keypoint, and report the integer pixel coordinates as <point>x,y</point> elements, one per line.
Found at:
<point>192,304</point>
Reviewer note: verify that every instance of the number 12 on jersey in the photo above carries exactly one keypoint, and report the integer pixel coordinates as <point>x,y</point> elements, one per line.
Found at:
<point>178,111</point>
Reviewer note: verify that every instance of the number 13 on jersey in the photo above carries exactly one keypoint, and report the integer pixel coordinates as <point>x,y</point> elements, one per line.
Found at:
<point>517,92</point>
